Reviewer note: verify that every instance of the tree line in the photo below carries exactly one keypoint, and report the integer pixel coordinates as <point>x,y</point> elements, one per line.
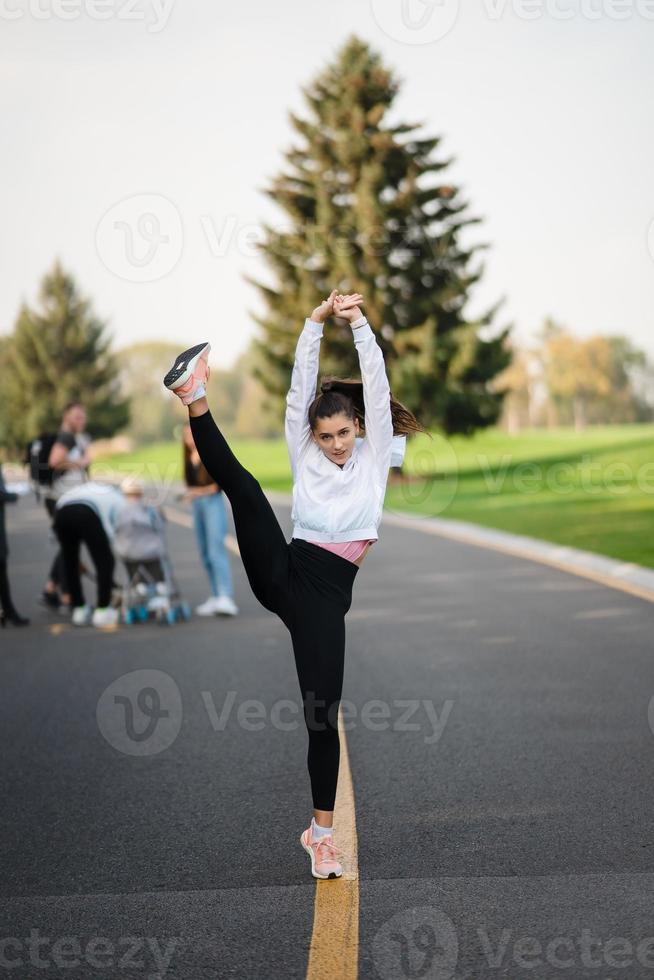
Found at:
<point>364,206</point>
<point>563,379</point>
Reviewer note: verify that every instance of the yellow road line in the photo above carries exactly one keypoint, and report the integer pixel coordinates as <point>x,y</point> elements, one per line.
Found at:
<point>334,950</point>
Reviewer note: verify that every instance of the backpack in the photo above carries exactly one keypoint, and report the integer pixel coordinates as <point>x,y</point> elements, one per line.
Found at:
<point>36,457</point>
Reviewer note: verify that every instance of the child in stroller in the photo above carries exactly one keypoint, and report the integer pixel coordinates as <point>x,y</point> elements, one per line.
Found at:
<point>140,543</point>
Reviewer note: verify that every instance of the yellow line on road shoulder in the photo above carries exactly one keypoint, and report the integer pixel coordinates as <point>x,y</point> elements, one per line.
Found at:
<point>334,950</point>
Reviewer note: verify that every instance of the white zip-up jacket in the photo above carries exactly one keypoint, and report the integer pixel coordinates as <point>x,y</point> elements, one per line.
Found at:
<point>330,502</point>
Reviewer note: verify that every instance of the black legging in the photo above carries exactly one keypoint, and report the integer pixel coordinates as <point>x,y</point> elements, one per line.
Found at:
<point>6,603</point>
<point>308,587</point>
<point>57,574</point>
<point>77,524</point>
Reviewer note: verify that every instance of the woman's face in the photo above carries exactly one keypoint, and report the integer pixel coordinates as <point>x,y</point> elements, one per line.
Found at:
<point>336,436</point>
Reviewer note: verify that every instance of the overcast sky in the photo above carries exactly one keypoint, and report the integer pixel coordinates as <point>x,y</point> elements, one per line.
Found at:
<point>138,138</point>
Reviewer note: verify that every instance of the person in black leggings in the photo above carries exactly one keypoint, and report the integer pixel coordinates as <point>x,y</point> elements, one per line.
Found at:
<point>78,524</point>
<point>305,583</point>
<point>309,588</point>
<point>88,515</point>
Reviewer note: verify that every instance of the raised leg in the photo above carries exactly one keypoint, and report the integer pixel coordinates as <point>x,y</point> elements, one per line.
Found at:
<point>263,548</point>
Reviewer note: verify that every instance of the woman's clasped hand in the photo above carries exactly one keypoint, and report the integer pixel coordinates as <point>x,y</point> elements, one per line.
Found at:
<point>345,306</point>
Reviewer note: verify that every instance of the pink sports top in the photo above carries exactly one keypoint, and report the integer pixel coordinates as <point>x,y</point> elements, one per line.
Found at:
<point>352,550</point>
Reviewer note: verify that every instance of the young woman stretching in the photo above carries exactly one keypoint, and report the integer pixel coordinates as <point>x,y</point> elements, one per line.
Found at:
<point>339,482</point>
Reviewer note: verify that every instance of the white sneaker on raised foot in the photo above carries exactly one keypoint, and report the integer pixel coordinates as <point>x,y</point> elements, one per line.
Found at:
<point>82,615</point>
<point>105,617</point>
<point>225,606</point>
<point>189,374</point>
<point>208,607</point>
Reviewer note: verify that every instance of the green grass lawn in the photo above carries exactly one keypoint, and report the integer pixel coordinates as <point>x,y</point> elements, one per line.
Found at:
<point>592,490</point>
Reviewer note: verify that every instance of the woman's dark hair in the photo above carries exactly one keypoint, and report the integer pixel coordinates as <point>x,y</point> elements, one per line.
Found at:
<point>346,395</point>
<point>76,403</point>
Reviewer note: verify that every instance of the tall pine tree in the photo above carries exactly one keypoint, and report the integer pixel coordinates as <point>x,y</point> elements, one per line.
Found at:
<point>58,353</point>
<point>364,213</point>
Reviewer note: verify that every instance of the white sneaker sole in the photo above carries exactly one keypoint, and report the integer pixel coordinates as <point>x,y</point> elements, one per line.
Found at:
<point>184,366</point>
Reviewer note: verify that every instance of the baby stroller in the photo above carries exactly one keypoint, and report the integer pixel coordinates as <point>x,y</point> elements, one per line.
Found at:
<point>150,589</point>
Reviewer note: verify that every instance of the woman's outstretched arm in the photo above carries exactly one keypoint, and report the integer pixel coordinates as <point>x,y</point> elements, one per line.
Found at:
<point>303,382</point>
<point>376,389</point>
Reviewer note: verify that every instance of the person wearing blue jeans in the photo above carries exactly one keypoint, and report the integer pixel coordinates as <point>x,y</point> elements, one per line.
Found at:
<point>210,522</point>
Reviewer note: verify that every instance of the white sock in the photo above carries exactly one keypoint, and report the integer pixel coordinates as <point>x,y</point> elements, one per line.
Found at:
<point>318,831</point>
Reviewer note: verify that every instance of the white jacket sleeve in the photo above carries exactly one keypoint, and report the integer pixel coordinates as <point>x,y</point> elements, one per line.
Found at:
<point>376,398</point>
<point>302,391</point>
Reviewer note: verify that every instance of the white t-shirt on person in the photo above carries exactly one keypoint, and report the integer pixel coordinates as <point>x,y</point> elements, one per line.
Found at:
<point>76,446</point>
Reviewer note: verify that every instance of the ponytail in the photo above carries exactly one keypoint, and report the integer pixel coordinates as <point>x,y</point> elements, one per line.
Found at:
<point>346,395</point>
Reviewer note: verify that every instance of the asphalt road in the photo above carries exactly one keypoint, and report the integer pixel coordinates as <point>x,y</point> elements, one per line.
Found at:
<point>503,788</point>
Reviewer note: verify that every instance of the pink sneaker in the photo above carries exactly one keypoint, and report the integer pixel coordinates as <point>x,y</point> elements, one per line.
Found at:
<point>189,374</point>
<point>323,853</point>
